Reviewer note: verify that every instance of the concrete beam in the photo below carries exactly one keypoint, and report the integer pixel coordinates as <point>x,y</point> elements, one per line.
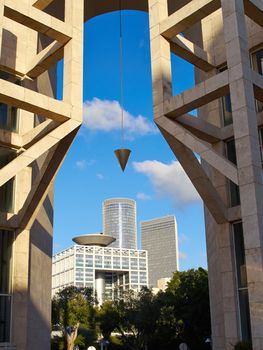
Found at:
<point>254,10</point>
<point>198,96</point>
<point>44,181</point>
<point>34,152</point>
<point>94,8</point>
<point>200,128</point>
<point>41,4</point>
<point>187,16</point>
<point>198,177</point>
<point>191,52</point>
<point>45,59</point>
<point>204,149</point>
<point>8,221</point>
<point>34,102</point>
<point>37,133</point>
<point>37,20</point>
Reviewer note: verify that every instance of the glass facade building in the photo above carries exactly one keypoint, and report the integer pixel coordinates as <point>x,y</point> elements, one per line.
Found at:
<point>119,221</point>
<point>108,271</point>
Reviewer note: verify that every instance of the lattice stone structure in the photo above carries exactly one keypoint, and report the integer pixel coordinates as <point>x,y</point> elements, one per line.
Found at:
<point>36,132</point>
<point>223,40</point>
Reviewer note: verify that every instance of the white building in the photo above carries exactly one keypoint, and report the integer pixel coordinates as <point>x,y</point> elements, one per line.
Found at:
<point>108,271</point>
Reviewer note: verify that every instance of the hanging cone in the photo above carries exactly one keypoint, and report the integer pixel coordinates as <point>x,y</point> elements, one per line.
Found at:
<point>123,155</point>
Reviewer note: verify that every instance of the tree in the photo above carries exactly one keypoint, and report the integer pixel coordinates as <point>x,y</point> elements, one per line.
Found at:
<point>74,310</point>
<point>107,318</point>
<point>137,317</point>
<point>188,293</point>
<point>162,321</point>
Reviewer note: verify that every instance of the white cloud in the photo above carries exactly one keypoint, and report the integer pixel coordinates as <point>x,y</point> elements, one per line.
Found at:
<point>105,115</point>
<point>81,164</point>
<point>169,180</point>
<point>142,196</point>
<point>182,256</point>
<point>100,176</point>
<point>183,238</point>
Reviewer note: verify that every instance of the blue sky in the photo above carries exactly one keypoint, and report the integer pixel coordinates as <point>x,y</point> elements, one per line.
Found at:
<point>153,177</point>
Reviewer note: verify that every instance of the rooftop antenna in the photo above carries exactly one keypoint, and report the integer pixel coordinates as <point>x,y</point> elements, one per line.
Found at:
<point>122,154</point>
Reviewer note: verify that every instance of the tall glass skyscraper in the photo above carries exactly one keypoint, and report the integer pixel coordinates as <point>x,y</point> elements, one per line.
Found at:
<point>119,221</point>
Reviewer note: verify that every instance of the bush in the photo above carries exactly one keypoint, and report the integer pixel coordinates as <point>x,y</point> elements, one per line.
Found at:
<point>243,345</point>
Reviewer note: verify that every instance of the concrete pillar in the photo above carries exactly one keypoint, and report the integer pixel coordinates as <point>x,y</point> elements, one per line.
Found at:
<point>248,156</point>
<point>100,286</point>
<point>160,57</point>
<point>73,57</point>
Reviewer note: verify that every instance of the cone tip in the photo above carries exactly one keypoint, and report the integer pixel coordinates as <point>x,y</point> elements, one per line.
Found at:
<point>122,155</point>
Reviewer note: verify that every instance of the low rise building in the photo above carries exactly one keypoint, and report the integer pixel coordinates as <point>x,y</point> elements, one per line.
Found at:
<point>108,271</point>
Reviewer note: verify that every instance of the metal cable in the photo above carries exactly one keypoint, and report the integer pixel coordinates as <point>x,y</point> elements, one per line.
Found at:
<point>121,74</point>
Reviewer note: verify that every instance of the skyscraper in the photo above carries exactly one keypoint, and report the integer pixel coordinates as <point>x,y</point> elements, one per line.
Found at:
<point>159,238</point>
<point>119,221</point>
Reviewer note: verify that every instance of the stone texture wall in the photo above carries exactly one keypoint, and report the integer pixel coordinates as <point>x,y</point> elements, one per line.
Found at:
<point>32,40</point>
<point>218,37</point>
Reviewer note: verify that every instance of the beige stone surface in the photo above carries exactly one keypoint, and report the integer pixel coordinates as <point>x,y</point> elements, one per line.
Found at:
<point>224,39</point>
<point>32,41</point>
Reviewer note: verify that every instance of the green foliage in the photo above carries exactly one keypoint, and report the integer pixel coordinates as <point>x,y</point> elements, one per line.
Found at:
<point>107,318</point>
<point>142,320</point>
<point>85,338</point>
<point>78,310</point>
<point>72,306</point>
<point>138,315</point>
<point>188,293</point>
<point>243,345</point>
<point>57,344</point>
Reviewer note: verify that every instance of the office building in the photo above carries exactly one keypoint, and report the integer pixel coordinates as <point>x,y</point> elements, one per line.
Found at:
<point>93,263</point>
<point>159,239</point>
<point>119,221</point>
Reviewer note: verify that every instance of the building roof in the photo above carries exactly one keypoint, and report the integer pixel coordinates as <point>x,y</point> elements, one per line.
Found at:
<point>94,239</point>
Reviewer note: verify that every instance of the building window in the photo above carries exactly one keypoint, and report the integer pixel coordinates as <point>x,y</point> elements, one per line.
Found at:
<point>125,263</point>
<point>257,65</point>
<point>227,110</point>
<point>234,196</point>
<point>226,106</point>
<point>9,119</point>
<point>142,264</point>
<point>7,190</point>
<point>107,262</point>
<point>6,240</point>
<point>261,143</point>
<point>98,261</point>
<point>134,263</point>
<point>242,287</point>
